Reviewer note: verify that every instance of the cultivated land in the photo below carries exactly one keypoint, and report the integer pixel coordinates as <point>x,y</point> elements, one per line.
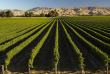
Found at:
<point>70,44</point>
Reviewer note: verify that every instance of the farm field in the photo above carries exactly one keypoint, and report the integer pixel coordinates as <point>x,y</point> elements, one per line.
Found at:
<point>66,44</point>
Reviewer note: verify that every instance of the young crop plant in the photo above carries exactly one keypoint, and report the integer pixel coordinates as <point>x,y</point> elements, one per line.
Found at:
<point>56,52</point>
<point>36,50</point>
<point>78,54</point>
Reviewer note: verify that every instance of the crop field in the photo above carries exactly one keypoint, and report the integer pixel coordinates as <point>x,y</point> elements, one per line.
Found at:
<point>63,43</point>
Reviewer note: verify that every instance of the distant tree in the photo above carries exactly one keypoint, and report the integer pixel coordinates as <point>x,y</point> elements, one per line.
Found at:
<point>56,14</point>
<point>3,14</point>
<point>30,14</point>
<point>9,13</point>
<point>26,14</point>
<point>52,14</point>
<point>46,15</point>
<point>91,13</point>
<point>42,15</point>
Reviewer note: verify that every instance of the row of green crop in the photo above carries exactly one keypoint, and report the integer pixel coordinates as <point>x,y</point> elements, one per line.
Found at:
<point>98,31</point>
<point>93,24</point>
<point>10,25</point>
<point>23,25</point>
<point>18,30</point>
<point>97,26</point>
<point>101,25</point>
<point>98,23</point>
<point>14,41</point>
<point>14,35</point>
<point>15,27</point>
<point>95,34</point>
<point>19,48</point>
<point>98,42</point>
<point>56,52</point>
<point>77,52</point>
<point>103,57</point>
<point>36,50</point>
<point>14,31</point>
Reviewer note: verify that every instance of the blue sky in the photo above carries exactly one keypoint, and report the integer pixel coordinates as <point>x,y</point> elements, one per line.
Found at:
<point>28,4</point>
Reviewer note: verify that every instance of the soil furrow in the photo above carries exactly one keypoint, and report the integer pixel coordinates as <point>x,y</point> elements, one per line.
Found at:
<point>67,61</point>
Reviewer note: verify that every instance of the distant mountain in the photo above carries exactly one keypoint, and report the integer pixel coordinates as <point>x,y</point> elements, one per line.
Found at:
<point>73,11</point>
<point>67,11</point>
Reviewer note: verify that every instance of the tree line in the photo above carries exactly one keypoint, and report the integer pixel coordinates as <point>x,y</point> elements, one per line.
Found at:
<point>28,14</point>
<point>50,14</point>
<point>6,14</point>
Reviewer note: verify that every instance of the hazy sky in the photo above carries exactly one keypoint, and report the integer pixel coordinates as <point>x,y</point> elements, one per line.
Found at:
<point>28,4</point>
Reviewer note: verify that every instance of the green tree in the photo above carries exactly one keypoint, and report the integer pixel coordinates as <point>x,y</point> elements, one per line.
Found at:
<point>52,14</point>
<point>42,15</point>
<point>26,14</point>
<point>56,14</point>
<point>30,14</point>
<point>46,15</point>
<point>91,13</point>
<point>9,13</point>
<point>3,14</point>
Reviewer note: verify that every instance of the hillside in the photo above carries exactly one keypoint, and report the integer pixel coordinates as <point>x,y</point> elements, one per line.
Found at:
<point>73,11</point>
<point>68,11</point>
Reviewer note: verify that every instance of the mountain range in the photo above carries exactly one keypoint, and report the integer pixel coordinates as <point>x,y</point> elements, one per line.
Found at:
<point>66,11</point>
